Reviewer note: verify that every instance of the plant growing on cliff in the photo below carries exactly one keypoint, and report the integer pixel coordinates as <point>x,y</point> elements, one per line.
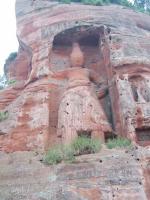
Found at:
<point>65,1</point>
<point>11,82</point>
<point>81,145</point>
<point>12,56</point>
<point>137,5</point>
<point>84,145</point>
<point>59,153</point>
<point>118,143</point>
<point>3,115</point>
<point>93,2</point>
<point>3,82</point>
<point>54,156</point>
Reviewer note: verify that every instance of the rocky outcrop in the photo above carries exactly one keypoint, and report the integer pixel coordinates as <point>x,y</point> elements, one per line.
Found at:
<point>107,85</point>
<point>80,70</point>
<point>109,175</point>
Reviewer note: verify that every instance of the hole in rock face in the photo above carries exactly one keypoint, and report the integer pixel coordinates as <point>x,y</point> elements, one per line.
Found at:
<point>89,40</point>
<point>84,133</point>
<point>140,88</point>
<point>109,135</point>
<point>134,91</point>
<point>143,134</point>
<point>84,35</point>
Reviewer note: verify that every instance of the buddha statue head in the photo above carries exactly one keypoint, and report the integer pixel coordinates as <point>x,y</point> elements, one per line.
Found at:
<point>76,56</point>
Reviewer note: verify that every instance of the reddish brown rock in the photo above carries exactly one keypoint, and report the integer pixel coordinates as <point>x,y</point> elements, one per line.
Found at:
<point>111,174</point>
<point>79,70</point>
<point>110,69</point>
<point>19,68</point>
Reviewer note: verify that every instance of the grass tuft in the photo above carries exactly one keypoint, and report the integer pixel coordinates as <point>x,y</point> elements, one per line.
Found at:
<point>3,115</point>
<point>81,145</point>
<point>54,156</point>
<point>118,143</point>
<point>84,145</point>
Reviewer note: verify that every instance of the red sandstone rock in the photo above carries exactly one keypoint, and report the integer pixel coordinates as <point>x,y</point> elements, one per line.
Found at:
<point>20,67</point>
<point>100,87</point>
<point>114,51</point>
<point>119,175</point>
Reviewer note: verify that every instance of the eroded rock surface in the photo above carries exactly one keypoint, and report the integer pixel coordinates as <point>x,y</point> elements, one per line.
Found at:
<point>113,47</point>
<point>79,70</point>
<point>109,175</point>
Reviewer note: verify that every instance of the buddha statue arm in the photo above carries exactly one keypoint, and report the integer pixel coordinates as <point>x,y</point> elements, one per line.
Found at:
<point>96,78</point>
<point>102,92</point>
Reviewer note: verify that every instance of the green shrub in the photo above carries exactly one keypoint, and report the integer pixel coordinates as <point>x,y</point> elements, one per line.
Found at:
<point>3,82</point>
<point>84,145</point>
<point>59,153</point>
<point>81,145</point>
<point>68,153</point>
<point>11,82</point>
<point>137,6</point>
<point>93,2</point>
<point>3,116</point>
<point>65,1</point>
<point>118,143</point>
<point>12,56</point>
<point>54,156</point>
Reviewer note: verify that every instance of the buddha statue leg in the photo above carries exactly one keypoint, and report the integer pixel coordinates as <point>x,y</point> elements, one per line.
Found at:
<point>80,111</point>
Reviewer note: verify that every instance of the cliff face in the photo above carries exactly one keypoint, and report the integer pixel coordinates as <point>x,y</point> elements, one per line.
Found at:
<point>54,98</point>
<point>109,175</point>
<point>79,70</point>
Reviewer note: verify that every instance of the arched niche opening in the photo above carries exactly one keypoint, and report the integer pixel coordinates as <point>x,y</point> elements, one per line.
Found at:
<point>140,88</point>
<point>89,39</point>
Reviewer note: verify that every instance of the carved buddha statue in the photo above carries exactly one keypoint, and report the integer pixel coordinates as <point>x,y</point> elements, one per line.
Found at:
<point>80,109</point>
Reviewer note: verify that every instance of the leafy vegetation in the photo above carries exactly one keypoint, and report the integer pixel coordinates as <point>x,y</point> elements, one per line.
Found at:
<point>12,56</point>
<point>59,153</point>
<point>3,115</point>
<point>81,145</point>
<point>65,1</point>
<point>138,5</point>
<point>2,82</point>
<point>143,4</point>
<point>11,82</point>
<point>84,145</point>
<point>54,156</point>
<point>93,2</point>
<point>98,2</point>
<point>118,143</point>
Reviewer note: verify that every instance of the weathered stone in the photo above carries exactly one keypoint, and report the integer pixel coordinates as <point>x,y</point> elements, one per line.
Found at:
<point>118,176</point>
<point>79,70</point>
<point>113,57</point>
